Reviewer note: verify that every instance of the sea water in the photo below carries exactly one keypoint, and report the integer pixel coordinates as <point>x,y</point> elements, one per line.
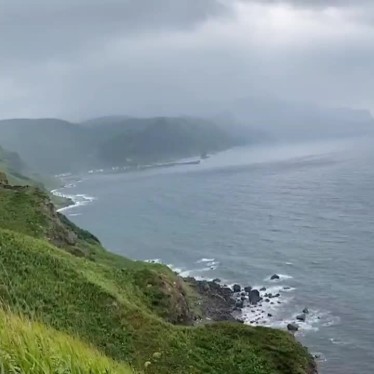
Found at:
<point>303,211</point>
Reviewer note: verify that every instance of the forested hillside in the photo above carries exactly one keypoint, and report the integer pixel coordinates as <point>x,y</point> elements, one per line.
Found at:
<point>56,146</point>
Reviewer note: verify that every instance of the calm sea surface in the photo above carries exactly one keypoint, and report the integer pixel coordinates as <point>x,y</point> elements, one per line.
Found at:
<point>304,211</point>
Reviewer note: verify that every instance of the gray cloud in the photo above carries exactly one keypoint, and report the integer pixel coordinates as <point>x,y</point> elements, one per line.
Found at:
<point>38,29</point>
<point>315,3</point>
<point>88,57</point>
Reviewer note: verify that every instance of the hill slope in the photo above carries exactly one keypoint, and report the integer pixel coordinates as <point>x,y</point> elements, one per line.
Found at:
<point>56,146</point>
<point>17,171</point>
<point>159,139</point>
<point>48,145</point>
<point>120,312</point>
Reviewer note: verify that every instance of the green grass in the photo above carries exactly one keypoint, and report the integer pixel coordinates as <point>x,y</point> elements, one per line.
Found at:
<point>127,311</point>
<point>31,347</point>
<point>28,210</point>
<point>19,174</point>
<point>19,211</point>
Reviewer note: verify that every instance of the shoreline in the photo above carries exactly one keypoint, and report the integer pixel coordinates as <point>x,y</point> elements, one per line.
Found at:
<point>220,303</point>
<point>72,201</point>
<point>237,303</point>
<point>142,167</point>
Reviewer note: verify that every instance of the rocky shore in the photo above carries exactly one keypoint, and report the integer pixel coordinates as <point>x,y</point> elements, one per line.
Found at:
<point>216,302</point>
<point>222,303</point>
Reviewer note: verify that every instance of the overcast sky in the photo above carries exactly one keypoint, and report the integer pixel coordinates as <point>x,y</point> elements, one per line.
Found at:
<point>82,58</point>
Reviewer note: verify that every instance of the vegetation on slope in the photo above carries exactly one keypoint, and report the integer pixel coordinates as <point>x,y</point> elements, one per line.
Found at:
<point>131,312</point>
<point>28,210</point>
<point>31,347</point>
<point>57,146</point>
<point>18,173</point>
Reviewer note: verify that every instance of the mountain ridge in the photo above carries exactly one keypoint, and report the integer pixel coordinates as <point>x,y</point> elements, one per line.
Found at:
<point>56,146</point>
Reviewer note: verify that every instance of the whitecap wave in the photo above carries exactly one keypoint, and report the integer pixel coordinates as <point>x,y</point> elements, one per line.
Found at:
<point>63,175</point>
<point>319,357</point>
<point>205,260</point>
<point>281,277</point>
<point>153,261</point>
<point>77,199</point>
<point>185,273</point>
<point>270,311</point>
<point>338,341</point>
<point>314,320</point>
<point>197,273</point>
<point>70,185</point>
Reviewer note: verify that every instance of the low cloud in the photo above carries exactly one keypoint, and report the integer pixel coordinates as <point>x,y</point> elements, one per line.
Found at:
<point>83,58</point>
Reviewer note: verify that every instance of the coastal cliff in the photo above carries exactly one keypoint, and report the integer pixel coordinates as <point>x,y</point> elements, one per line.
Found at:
<point>68,305</point>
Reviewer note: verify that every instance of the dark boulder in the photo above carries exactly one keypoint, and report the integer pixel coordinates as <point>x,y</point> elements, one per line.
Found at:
<point>248,289</point>
<point>270,315</point>
<point>263,289</point>
<point>292,327</point>
<point>254,297</point>
<point>301,317</point>
<point>306,310</point>
<point>216,280</point>
<point>239,303</point>
<point>274,277</point>
<point>236,288</point>
<point>267,300</point>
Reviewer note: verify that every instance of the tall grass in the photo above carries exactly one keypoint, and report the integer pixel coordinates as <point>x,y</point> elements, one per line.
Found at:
<point>30,347</point>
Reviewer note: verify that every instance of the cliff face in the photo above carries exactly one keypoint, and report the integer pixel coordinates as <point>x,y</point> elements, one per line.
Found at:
<point>130,316</point>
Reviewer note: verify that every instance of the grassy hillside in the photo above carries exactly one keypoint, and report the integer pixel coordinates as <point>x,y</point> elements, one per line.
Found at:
<point>18,173</point>
<point>31,347</point>
<point>119,313</point>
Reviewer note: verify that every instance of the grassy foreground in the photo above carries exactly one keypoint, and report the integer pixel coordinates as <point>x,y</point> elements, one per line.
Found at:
<point>30,347</point>
<point>69,302</point>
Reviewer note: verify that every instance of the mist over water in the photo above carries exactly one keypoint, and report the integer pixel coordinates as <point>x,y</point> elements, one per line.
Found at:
<point>304,211</point>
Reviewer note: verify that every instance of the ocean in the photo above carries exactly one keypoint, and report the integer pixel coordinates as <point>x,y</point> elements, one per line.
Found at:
<point>304,211</point>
